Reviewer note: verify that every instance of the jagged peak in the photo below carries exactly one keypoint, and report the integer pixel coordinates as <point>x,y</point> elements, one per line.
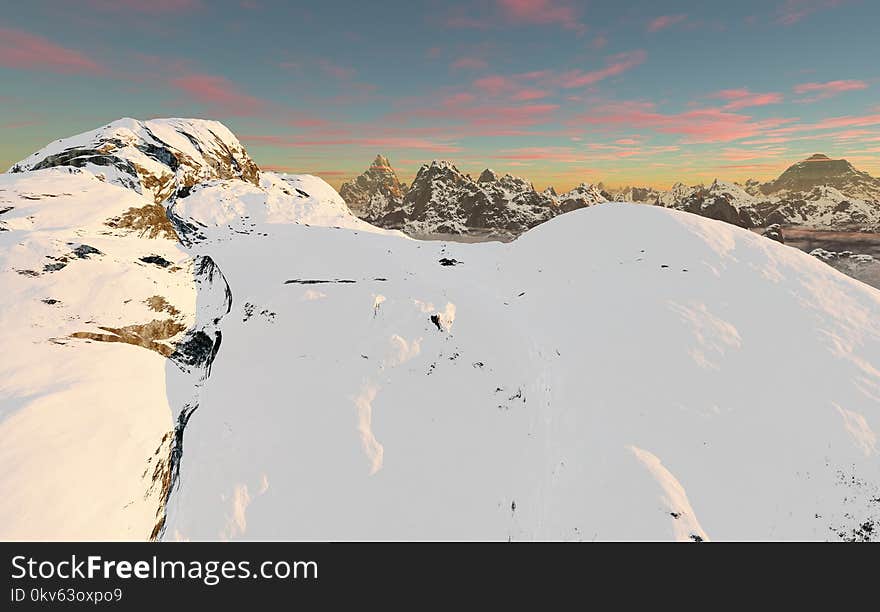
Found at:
<point>488,176</point>
<point>381,162</point>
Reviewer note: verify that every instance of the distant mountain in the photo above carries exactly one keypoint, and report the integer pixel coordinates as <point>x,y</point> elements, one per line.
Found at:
<point>823,193</point>
<point>647,195</point>
<point>444,200</point>
<point>821,171</point>
<point>818,192</point>
<point>375,191</point>
<point>727,202</point>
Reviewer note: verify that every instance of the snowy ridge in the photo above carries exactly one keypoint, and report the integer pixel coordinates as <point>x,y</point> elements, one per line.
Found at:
<point>154,158</point>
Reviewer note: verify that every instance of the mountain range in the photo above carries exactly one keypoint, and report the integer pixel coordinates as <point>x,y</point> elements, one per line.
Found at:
<point>444,200</point>
<point>197,349</point>
<point>819,193</point>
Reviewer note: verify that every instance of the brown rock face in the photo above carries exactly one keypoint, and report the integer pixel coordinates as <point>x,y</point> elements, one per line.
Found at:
<point>374,193</point>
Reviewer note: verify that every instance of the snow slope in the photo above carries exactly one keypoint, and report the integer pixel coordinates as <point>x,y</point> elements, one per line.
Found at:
<point>619,372</point>
<point>84,423</point>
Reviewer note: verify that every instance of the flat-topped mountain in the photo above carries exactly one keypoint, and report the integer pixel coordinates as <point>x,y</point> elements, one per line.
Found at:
<point>820,170</point>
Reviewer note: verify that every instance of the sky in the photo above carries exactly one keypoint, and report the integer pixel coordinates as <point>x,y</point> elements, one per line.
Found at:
<point>557,91</point>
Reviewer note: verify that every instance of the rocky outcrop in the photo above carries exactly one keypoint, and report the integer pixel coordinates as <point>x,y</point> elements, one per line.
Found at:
<point>726,202</point>
<point>774,232</point>
<point>157,158</point>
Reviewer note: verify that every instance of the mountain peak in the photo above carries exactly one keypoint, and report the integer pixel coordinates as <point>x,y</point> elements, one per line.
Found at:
<point>374,192</point>
<point>155,157</point>
<point>818,157</point>
<point>488,176</point>
<point>381,162</point>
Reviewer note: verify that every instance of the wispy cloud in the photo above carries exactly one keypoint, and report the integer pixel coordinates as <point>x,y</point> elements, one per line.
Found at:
<point>793,11</point>
<point>470,63</point>
<point>384,143</point>
<point>706,125</point>
<point>524,95</point>
<point>744,98</point>
<point>25,51</point>
<point>147,6</point>
<point>615,65</point>
<point>531,12</point>
<point>665,21</point>
<point>218,93</point>
<point>521,12</point>
<point>823,91</point>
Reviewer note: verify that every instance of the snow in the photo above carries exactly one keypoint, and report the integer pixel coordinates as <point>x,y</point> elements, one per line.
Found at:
<point>80,421</point>
<point>620,372</point>
<point>575,389</point>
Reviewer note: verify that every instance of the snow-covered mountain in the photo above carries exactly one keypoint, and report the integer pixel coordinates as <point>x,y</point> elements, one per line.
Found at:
<point>647,195</point>
<point>818,193</point>
<point>820,170</point>
<point>821,193</point>
<point>375,192</point>
<point>153,158</point>
<point>444,200</point>
<point>726,202</point>
<point>261,364</point>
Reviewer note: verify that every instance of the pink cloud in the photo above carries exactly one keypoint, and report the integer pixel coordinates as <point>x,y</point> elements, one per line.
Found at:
<point>834,123</point>
<point>147,6</point>
<point>24,51</point>
<point>743,98</point>
<point>567,155</point>
<point>458,99</point>
<point>541,12</point>
<point>792,11</point>
<point>615,65</point>
<point>217,93</point>
<point>494,84</point>
<point>665,21</point>
<point>827,90</point>
<point>739,154</point>
<point>524,95</point>
<point>470,63</point>
<point>501,119</point>
<point>697,126</point>
<point>392,142</point>
<point>563,13</point>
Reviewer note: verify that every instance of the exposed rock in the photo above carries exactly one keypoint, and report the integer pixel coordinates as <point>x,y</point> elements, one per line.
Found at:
<point>155,157</point>
<point>774,232</point>
<point>375,192</point>
<point>726,202</point>
<point>443,200</point>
